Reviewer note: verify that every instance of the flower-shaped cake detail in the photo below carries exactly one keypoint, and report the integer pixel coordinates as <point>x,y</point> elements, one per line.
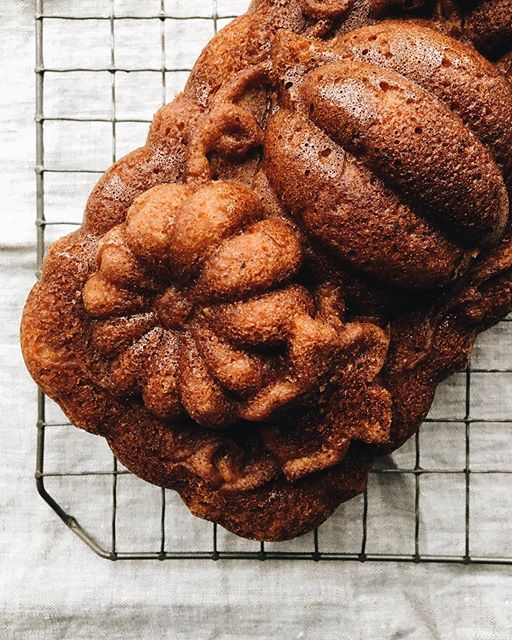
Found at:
<point>196,310</point>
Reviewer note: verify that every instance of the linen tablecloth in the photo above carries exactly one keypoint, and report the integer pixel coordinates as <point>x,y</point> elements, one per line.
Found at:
<point>51,585</point>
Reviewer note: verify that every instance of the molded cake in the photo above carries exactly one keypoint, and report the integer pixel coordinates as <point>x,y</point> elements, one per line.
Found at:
<point>264,297</point>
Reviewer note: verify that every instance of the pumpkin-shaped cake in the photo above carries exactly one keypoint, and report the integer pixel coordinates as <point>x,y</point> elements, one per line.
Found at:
<point>403,136</point>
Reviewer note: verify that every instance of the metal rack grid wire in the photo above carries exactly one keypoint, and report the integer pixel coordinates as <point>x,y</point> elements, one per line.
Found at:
<point>316,546</point>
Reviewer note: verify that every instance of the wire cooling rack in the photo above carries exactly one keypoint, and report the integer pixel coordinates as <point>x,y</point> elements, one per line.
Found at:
<point>446,496</point>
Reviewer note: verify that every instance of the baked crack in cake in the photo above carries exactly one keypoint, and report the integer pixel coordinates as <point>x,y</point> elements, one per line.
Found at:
<point>263,299</point>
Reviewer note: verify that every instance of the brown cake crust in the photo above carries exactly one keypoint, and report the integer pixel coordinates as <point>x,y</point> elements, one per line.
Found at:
<point>415,159</point>
<point>128,298</point>
<point>488,24</point>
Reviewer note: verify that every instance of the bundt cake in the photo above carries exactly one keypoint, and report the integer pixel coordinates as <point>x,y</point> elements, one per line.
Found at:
<point>262,299</point>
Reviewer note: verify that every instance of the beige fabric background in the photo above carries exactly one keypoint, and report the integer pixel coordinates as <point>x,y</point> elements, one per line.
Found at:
<point>51,585</point>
